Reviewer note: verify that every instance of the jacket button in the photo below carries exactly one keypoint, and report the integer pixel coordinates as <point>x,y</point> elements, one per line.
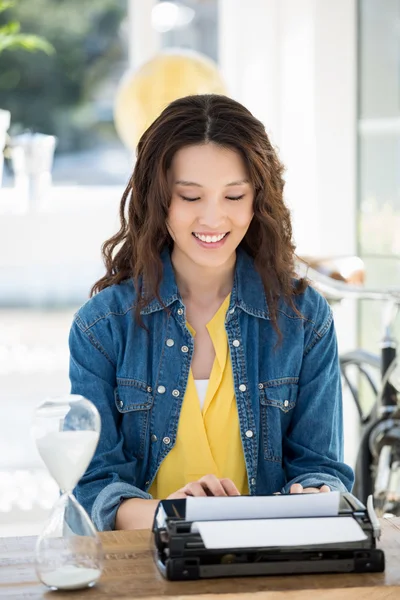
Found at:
<point>166,441</point>
<point>260,386</point>
<point>286,403</point>
<point>249,433</point>
<point>153,438</point>
<point>242,387</point>
<point>253,481</point>
<point>121,404</point>
<point>170,343</point>
<point>236,343</point>
<point>232,310</point>
<point>161,389</point>
<point>175,393</point>
<point>180,311</point>
<point>149,389</point>
<point>147,483</point>
<point>185,349</point>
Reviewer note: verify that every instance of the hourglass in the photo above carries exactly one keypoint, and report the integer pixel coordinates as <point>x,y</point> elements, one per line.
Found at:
<point>69,554</point>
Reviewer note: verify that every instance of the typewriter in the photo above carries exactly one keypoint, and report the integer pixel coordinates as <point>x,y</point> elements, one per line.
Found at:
<point>248,536</point>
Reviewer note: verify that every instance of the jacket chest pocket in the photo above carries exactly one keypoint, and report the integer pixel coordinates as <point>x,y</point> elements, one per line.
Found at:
<point>277,401</point>
<point>134,401</point>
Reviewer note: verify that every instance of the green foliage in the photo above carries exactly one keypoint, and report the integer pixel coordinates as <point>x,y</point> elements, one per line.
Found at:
<point>54,93</point>
<point>11,38</point>
<point>4,4</point>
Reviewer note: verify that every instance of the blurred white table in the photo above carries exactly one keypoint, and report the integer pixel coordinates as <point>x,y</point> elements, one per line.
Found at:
<point>51,254</point>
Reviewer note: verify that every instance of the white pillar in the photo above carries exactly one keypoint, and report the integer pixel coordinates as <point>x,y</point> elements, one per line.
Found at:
<point>249,37</point>
<point>298,139</point>
<point>336,123</point>
<point>319,122</point>
<point>144,40</point>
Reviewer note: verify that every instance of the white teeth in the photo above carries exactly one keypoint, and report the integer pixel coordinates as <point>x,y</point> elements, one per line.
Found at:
<point>209,238</point>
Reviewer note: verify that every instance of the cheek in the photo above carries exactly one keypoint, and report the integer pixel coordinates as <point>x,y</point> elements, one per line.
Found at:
<point>179,217</point>
<point>242,218</point>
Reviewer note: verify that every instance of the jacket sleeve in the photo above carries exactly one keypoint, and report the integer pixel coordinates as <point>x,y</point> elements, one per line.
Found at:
<point>313,446</point>
<point>110,477</point>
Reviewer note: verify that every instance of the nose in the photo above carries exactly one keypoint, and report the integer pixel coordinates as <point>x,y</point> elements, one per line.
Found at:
<point>212,214</point>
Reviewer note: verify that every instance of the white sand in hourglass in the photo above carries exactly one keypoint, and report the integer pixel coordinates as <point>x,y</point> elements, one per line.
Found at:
<point>70,577</point>
<point>67,455</point>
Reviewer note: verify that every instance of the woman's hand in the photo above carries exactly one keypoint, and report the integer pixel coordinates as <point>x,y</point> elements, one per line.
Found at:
<point>297,488</point>
<point>209,485</point>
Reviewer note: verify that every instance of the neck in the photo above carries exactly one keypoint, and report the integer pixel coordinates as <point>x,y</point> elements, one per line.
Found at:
<point>202,285</point>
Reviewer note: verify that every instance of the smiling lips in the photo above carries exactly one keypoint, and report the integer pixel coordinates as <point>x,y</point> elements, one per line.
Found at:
<point>210,239</point>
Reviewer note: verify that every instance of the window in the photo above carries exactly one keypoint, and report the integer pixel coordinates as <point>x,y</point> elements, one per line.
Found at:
<point>70,94</point>
<point>191,24</point>
<point>379,155</point>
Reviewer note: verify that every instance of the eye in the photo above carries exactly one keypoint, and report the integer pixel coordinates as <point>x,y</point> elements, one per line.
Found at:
<point>235,197</point>
<point>198,198</point>
<point>189,199</point>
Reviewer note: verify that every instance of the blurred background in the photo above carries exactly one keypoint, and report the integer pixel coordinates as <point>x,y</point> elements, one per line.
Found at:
<point>322,76</point>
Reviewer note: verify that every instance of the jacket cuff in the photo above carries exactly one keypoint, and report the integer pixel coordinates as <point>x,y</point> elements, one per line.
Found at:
<point>316,480</point>
<point>105,506</point>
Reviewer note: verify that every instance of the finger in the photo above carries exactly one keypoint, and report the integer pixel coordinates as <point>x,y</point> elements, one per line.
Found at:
<point>177,495</point>
<point>325,488</point>
<point>296,488</point>
<point>212,485</point>
<point>311,490</point>
<point>229,487</point>
<point>194,489</point>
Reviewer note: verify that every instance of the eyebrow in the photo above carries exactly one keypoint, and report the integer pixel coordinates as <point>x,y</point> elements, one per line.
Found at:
<point>193,184</point>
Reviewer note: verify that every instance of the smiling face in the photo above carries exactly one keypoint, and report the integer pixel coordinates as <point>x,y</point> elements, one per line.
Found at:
<point>211,204</point>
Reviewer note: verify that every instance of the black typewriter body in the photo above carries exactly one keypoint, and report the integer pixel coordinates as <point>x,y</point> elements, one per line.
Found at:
<point>181,555</point>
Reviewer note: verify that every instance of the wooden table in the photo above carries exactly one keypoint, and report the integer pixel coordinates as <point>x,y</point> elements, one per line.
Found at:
<point>130,572</point>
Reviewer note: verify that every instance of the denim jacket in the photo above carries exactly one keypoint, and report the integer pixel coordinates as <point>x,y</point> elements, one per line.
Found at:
<point>288,395</point>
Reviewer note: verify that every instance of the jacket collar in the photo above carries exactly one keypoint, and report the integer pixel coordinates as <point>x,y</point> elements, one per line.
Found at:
<point>247,293</point>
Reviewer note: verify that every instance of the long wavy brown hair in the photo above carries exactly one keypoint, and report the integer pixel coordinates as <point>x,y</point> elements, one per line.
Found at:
<point>134,252</point>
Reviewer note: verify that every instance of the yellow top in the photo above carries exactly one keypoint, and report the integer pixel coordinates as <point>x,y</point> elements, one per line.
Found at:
<point>208,441</point>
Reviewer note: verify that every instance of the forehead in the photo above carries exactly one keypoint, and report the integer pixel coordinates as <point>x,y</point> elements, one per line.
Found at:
<point>207,161</point>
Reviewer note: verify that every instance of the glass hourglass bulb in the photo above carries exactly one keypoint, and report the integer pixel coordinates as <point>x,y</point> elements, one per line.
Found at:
<point>68,553</point>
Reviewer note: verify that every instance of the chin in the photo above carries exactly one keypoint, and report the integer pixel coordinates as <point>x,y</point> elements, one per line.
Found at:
<point>218,260</point>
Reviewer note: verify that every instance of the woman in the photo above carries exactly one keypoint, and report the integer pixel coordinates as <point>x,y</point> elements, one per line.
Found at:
<point>215,372</point>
